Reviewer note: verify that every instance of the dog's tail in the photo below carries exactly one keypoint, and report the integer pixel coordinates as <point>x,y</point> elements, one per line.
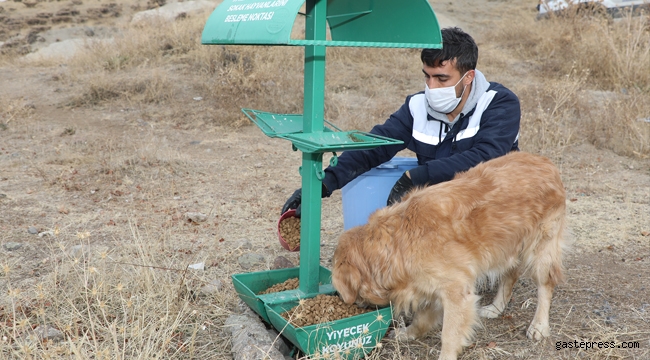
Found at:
<point>547,266</point>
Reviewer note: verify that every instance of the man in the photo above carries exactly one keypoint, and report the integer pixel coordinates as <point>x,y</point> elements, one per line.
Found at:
<point>457,122</point>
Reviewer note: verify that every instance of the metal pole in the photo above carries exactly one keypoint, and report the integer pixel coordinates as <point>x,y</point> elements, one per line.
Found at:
<point>312,163</point>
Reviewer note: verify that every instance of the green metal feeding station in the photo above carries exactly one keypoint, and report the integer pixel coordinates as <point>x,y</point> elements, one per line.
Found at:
<point>352,23</point>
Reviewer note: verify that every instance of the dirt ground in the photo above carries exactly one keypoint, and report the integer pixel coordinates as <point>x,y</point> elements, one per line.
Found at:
<point>110,172</point>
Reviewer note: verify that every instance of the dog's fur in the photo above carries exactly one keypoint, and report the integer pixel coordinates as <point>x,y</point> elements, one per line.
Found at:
<point>500,220</point>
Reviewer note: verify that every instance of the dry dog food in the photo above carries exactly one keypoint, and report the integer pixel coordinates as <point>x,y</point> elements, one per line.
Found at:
<point>289,284</point>
<point>320,309</point>
<point>290,231</point>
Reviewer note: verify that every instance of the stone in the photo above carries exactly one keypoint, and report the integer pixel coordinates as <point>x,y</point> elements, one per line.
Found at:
<point>172,11</point>
<point>212,287</point>
<point>246,244</point>
<point>282,262</point>
<point>250,339</point>
<point>195,217</point>
<point>279,342</point>
<point>79,251</point>
<point>64,49</point>
<point>249,260</point>
<point>11,246</point>
<point>45,332</point>
<point>32,230</point>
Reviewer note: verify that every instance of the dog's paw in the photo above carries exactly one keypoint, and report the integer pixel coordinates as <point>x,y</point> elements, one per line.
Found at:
<point>538,331</point>
<point>489,311</point>
<point>399,334</point>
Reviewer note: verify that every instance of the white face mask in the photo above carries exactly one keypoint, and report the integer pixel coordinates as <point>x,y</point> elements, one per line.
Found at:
<point>444,100</point>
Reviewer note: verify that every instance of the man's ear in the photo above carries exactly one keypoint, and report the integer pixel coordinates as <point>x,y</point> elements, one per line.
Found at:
<point>469,77</point>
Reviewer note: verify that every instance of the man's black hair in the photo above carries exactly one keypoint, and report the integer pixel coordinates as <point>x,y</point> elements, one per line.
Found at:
<point>457,46</point>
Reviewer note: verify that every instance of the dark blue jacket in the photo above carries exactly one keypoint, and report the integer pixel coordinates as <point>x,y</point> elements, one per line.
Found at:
<point>490,129</point>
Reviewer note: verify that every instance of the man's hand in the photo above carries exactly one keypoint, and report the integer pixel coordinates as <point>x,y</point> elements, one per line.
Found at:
<point>401,187</point>
<point>294,200</point>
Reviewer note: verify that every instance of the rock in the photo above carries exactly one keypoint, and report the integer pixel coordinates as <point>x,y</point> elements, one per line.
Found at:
<point>214,286</point>
<point>249,260</point>
<point>250,339</point>
<point>243,308</point>
<point>246,244</point>
<point>45,332</point>
<point>63,49</point>
<point>281,262</point>
<point>279,342</point>
<point>11,246</point>
<point>32,230</point>
<point>610,320</point>
<point>79,251</point>
<point>172,11</point>
<point>195,217</point>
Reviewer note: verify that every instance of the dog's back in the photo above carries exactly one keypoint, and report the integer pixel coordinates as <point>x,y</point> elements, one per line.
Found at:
<point>500,212</point>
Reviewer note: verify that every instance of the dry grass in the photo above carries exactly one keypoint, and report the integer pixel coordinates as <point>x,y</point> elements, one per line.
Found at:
<point>13,111</point>
<point>593,84</point>
<point>109,305</point>
<point>571,56</point>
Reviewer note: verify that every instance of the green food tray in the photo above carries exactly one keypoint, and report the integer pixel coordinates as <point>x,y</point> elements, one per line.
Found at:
<point>249,285</point>
<point>349,338</point>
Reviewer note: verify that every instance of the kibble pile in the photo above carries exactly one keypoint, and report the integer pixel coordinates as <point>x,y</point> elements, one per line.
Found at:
<point>290,231</point>
<point>289,284</point>
<point>320,309</point>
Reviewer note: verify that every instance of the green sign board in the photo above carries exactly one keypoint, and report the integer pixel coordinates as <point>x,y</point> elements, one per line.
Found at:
<point>251,22</point>
<point>360,23</point>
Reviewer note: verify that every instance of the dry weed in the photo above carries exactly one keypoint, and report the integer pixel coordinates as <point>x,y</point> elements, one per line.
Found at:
<point>151,86</point>
<point>358,95</point>
<point>608,108</point>
<point>550,127</point>
<point>13,111</point>
<point>110,305</point>
<point>614,123</point>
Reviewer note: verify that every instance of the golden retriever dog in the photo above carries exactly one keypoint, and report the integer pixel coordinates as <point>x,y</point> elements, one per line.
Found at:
<point>425,255</point>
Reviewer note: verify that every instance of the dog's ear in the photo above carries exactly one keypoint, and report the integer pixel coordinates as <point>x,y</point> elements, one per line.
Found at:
<point>347,280</point>
<point>346,277</point>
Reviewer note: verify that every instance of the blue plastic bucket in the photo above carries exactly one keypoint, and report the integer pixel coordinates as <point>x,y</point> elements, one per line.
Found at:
<point>369,191</point>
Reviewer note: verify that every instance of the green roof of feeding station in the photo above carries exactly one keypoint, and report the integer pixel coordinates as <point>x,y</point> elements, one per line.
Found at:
<point>359,23</point>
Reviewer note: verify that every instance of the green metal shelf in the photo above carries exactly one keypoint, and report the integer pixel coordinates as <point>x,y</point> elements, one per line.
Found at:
<point>275,125</point>
<point>331,139</point>
<point>338,141</point>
